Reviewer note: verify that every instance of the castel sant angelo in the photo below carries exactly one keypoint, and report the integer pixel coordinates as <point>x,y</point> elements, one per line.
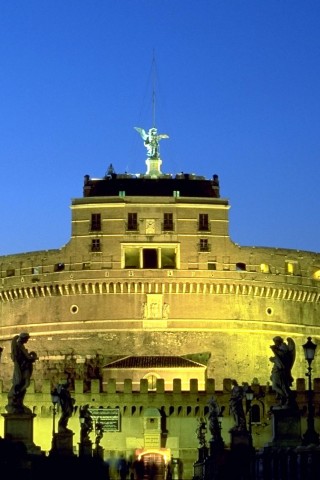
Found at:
<point>150,269</point>
<point>151,287</point>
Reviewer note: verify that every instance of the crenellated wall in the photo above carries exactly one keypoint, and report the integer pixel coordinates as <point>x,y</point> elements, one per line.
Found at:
<point>180,410</point>
<point>176,401</point>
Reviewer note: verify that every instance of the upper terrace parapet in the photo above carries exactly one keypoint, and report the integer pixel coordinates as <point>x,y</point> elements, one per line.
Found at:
<point>188,185</point>
<point>244,261</point>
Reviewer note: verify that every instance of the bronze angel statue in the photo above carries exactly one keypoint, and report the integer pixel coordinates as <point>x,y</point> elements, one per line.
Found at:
<point>151,140</point>
<point>283,360</point>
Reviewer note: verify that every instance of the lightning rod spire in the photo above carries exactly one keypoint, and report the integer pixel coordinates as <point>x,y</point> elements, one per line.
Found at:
<point>153,90</point>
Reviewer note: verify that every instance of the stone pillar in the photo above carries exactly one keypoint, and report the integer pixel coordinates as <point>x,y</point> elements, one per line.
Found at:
<point>98,452</point>
<point>203,453</point>
<point>286,427</point>
<point>19,428</point>
<point>240,438</point>
<point>242,454</point>
<point>85,449</point>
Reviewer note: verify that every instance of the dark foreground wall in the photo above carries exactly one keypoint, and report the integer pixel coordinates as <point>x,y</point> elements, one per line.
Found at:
<point>269,463</point>
<point>16,463</point>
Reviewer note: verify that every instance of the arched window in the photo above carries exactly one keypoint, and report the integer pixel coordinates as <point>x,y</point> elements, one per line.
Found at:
<point>241,267</point>
<point>255,414</point>
<point>152,380</point>
<point>316,275</point>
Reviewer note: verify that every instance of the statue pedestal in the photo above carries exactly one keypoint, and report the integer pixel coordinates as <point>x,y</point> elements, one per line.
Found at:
<point>98,452</point>
<point>241,459</point>
<point>19,428</point>
<point>62,444</point>
<point>203,453</point>
<point>85,449</point>
<point>286,427</point>
<point>240,438</point>
<point>216,445</point>
<point>214,466</point>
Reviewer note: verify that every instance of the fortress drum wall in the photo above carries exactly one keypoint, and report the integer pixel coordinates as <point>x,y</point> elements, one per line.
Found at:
<point>238,343</point>
<point>150,269</point>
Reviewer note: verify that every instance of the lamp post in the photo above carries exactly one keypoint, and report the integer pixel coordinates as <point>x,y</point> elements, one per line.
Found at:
<point>311,436</point>
<point>249,397</point>
<point>201,435</point>
<point>55,400</point>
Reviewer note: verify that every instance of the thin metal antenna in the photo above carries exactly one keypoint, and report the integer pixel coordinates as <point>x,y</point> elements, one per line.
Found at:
<point>153,91</point>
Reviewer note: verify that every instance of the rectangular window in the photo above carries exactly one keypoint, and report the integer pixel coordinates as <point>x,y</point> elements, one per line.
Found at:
<point>292,268</point>
<point>264,268</point>
<point>132,258</point>
<point>95,245</point>
<point>203,221</point>
<point>167,221</point>
<point>168,258</point>
<point>96,221</point>
<point>203,245</point>
<point>59,267</point>
<point>132,221</point>
<point>150,258</point>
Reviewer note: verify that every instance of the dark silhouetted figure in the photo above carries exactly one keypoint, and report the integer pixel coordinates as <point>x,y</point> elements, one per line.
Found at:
<point>23,366</point>
<point>66,402</point>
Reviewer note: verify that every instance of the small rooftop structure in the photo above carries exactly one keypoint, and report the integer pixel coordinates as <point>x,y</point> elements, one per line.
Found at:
<point>156,361</point>
<point>182,185</point>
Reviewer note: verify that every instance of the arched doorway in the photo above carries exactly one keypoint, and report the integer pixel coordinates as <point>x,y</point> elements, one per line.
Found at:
<point>154,466</point>
<point>155,463</point>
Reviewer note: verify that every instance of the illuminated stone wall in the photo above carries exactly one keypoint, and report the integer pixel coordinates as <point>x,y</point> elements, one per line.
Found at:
<point>223,299</point>
<point>234,315</point>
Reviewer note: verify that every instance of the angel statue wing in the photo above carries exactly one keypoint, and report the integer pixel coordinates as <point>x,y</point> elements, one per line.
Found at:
<point>292,350</point>
<point>163,135</point>
<point>142,132</point>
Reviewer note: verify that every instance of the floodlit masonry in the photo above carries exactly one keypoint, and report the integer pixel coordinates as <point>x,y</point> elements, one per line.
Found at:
<point>150,269</point>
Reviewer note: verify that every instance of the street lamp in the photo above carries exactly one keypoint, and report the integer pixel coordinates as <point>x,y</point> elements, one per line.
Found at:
<point>55,400</point>
<point>249,393</point>
<point>311,436</point>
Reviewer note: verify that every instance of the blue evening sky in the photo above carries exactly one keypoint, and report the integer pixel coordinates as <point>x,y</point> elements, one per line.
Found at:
<point>237,87</point>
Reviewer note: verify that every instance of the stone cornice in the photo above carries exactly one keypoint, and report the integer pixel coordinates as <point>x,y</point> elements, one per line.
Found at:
<point>279,292</point>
